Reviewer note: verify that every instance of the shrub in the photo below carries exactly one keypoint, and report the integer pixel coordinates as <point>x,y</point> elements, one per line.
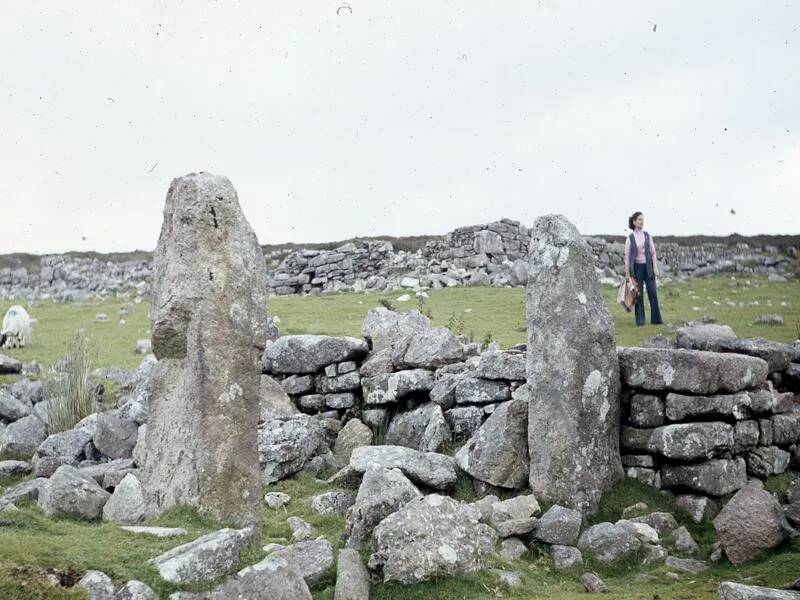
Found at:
<point>74,401</point>
<point>386,303</point>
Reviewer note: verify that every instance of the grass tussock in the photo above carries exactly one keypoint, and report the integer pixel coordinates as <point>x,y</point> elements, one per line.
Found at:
<point>75,398</point>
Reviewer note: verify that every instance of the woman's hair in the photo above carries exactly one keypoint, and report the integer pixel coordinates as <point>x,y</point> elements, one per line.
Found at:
<point>632,219</point>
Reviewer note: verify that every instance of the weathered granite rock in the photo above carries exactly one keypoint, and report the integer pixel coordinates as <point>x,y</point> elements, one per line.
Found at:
<point>135,590</point>
<point>310,353</point>
<point>126,504</point>
<point>209,330</point>
<point>751,523</point>
<point>68,444</point>
<point>572,371</point>
<point>646,410</point>
<point>385,328</point>
<point>11,407</point>
<point>464,421</point>
<point>559,525</point>
<point>352,578</point>
<point>472,390</point>
<point>684,542</point>
<point>382,492</point>
<point>608,542</point>
<point>23,437</point>
<point>693,371</point>
<point>703,336</point>
<point>301,530</point>
<point>115,436</point>
<point>680,407</point>
<point>565,557</point>
<point>786,429</point>
<point>501,365</point>
<point>27,490</point>
<point>427,468</point>
<point>276,500</point>
<point>353,435</point>
<point>391,387</point>
<point>433,348</point>
<point>430,537</point>
<point>273,401</point>
<point>716,477</point>
<point>160,532</point>
<point>312,558</point>
<point>285,446</point>
<point>98,585</point>
<point>72,494</point>
<point>729,590</point>
<point>333,503</point>
<point>765,461</point>
<point>298,384</point>
<point>593,584</point>
<point>204,559</point>
<point>9,468</point>
<point>690,441</point>
<point>685,565</point>
<point>498,452</point>
<point>423,428</point>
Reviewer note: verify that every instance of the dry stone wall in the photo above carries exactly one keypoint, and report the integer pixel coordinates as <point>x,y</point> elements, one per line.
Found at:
<point>490,254</point>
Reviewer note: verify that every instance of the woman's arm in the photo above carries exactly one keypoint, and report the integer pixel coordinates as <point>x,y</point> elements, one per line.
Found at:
<point>655,258</point>
<point>627,258</point>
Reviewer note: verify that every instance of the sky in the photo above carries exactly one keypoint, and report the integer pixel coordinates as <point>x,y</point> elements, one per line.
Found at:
<point>341,119</point>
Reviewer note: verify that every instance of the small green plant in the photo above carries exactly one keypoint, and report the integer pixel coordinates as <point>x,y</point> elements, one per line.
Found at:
<point>487,339</point>
<point>74,400</point>
<point>386,303</point>
<point>423,307</point>
<point>456,323</point>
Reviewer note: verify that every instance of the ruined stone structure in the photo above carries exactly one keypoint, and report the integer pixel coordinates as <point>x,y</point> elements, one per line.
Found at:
<point>209,328</point>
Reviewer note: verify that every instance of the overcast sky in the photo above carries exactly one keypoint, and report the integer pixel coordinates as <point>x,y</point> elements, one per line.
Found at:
<point>336,119</point>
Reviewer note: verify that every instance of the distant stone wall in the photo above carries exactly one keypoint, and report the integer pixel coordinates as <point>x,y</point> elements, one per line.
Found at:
<point>491,254</point>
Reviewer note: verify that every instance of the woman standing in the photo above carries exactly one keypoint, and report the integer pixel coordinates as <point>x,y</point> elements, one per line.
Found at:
<point>641,264</point>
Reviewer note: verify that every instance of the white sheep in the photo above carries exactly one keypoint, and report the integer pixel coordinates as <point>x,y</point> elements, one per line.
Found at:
<point>16,328</point>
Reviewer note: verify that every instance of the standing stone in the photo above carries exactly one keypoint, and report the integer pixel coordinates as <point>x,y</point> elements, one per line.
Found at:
<point>573,372</point>
<point>209,324</point>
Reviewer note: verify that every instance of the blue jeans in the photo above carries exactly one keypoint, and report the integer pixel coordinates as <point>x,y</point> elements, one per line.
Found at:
<point>640,274</point>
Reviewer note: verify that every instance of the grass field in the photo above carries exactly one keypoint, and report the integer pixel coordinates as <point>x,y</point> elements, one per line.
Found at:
<point>481,313</point>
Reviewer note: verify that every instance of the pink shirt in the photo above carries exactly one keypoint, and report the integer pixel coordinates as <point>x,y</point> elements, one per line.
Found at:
<point>640,257</point>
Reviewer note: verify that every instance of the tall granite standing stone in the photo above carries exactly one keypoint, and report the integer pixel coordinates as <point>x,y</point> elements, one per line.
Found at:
<point>572,369</point>
<point>209,328</point>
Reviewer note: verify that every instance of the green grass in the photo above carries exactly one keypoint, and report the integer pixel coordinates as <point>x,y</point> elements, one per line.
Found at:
<point>33,543</point>
<point>498,313</point>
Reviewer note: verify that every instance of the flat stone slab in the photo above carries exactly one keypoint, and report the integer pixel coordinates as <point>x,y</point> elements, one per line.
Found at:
<point>427,468</point>
<point>693,371</point>
<point>161,532</point>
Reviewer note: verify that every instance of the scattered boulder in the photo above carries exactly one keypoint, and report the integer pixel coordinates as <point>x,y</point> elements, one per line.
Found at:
<point>68,444</point>
<point>276,500</point>
<point>593,584</point>
<point>559,525</point>
<point>751,523</point>
<point>565,557</point>
<point>11,407</point>
<point>70,493</point>
<point>685,565</point>
<point>115,436</point>
<point>135,590</point>
<point>204,559</point>
<point>352,578</point>
<point>301,531</point>
<point>609,542</point>
<point>98,585</point>
<point>10,468</point>
<point>382,492</point>
<point>274,577</point>
<point>333,503</point>
<point>729,590</point>
<point>126,504</point>
<point>684,542</point>
<point>22,437</point>
<point>430,537</point>
<point>313,558</point>
<point>512,549</point>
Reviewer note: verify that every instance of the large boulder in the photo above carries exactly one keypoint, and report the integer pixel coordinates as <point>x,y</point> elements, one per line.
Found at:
<point>703,336</point>
<point>311,353</point>
<point>126,504</point>
<point>751,523</point>
<point>433,348</point>
<point>559,525</point>
<point>691,441</point>
<point>275,577</point>
<point>716,477</point>
<point>498,452</point>
<point>23,437</point>
<point>207,558</point>
<point>609,542</point>
<point>273,401</point>
<point>423,428</point>
<point>431,537</point>
<point>70,493</point>
<point>426,468</point>
<point>382,492</point>
<point>68,444</point>
<point>285,446</point>
<point>209,329</point>
<point>692,371</point>
<point>115,436</point>
<point>11,407</point>
<point>572,371</point>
